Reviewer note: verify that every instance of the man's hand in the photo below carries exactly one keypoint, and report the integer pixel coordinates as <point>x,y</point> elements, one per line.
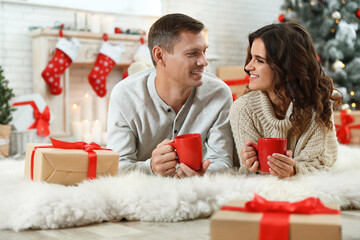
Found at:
<point>184,171</point>
<point>163,161</point>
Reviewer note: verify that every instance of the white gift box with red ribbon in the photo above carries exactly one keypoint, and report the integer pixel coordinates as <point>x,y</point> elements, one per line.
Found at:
<point>23,116</point>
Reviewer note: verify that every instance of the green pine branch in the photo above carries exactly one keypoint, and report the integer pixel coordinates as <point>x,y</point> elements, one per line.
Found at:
<point>6,94</point>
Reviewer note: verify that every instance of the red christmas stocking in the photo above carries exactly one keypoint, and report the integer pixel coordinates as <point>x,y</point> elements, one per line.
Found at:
<point>66,52</point>
<point>107,58</point>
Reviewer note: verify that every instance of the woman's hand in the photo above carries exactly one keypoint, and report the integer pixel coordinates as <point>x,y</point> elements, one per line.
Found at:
<point>249,157</point>
<point>282,166</point>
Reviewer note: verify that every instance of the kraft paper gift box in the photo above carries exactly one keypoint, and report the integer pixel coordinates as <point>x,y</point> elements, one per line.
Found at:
<point>67,166</point>
<point>228,225</point>
<point>235,78</point>
<point>354,137</point>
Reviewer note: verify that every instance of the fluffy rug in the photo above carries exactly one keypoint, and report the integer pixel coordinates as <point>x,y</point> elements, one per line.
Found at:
<point>25,204</point>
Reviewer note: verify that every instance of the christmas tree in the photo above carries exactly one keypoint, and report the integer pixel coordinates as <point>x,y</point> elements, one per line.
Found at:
<point>334,27</point>
<point>5,95</point>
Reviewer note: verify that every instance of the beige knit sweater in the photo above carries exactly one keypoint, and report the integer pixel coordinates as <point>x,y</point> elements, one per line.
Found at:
<point>252,117</point>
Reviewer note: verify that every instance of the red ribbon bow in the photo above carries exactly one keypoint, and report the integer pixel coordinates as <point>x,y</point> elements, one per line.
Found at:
<point>234,82</point>
<point>41,119</point>
<point>274,224</point>
<point>343,133</point>
<point>88,147</point>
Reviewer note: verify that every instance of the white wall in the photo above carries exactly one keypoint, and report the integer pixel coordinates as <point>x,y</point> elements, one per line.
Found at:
<point>228,22</point>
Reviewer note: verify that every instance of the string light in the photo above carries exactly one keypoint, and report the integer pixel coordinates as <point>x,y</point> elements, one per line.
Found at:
<point>332,30</point>
<point>312,3</point>
<point>337,21</point>
<point>349,110</point>
<point>352,93</point>
<point>353,105</point>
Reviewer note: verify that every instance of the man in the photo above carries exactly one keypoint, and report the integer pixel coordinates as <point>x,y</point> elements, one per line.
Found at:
<point>174,98</point>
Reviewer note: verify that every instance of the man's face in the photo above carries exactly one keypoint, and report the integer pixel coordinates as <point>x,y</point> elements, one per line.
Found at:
<point>185,66</point>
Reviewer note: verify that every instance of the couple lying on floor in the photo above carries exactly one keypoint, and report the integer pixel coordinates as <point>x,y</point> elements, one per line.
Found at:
<point>288,96</point>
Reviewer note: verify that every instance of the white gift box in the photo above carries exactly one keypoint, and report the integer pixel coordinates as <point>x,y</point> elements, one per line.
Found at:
<point>23,117</point>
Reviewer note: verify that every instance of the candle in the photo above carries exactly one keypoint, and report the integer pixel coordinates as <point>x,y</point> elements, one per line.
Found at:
<point>107,25</point>
<point>101,111</point>
<point>80,20</point>
<point>77,130</point>
<point>104,138</point>
<point>97,132</point>
<point>94,23</point>
<point>88,137</point>
<point>75,113</point>
<point>87,107</point>
<point>86,126</point>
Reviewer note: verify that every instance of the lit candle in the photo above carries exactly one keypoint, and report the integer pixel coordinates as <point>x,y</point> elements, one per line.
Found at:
<point>101,111</point>
<point>104,138</point>
<point>86,126</point>
<point>87,107</point>
<point>76,113</point>
<point>77,130</point>
<point>97,132</point>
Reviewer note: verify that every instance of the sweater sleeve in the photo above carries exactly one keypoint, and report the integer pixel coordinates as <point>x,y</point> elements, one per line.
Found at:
<point>122,139</point>
<point>243,125</point>
<point>219,143</point>
<point>315,150</point>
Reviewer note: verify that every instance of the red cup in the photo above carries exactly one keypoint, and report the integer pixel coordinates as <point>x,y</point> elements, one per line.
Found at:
<point>268,146</point>
<point>189,149</point>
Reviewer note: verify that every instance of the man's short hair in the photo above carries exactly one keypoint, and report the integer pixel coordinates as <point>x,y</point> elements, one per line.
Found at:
<point>166,30</point>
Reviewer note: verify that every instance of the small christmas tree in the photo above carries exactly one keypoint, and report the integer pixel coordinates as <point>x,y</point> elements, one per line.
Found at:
<point>6,94</point>
<point>334,27</point>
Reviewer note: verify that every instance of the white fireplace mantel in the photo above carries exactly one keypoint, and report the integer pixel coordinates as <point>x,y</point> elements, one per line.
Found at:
<point>44,41</point>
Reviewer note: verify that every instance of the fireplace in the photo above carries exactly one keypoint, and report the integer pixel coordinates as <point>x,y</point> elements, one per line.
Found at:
<point>78,102</point>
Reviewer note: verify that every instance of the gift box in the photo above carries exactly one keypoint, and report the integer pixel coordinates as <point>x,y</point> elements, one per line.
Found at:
<point>32,112</point>
<point>67,166</point>
<point>347,125</point>
<point>234,224</point>
<point>235,77</point>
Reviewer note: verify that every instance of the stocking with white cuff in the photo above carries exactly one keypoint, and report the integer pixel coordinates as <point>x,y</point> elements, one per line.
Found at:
<point>108,57</point>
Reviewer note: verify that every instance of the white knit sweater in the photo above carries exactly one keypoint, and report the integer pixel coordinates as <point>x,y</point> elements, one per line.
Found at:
<point>252,117</point>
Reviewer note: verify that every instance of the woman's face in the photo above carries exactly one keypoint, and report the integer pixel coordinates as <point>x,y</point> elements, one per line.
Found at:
<point>261,75</point>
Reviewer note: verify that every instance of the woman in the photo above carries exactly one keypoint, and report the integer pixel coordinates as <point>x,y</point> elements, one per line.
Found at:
<point>289,97</point>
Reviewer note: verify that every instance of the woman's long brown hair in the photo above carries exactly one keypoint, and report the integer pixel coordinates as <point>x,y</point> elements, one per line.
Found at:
<point>291,54</point>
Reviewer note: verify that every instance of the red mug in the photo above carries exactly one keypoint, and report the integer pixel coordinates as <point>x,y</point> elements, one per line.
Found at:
<point>268,146</point>
<point>189,149</point>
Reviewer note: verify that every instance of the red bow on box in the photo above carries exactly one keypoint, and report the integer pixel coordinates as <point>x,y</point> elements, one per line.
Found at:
<point>41,119</point>
<point>343,133</point>
<point>88,147</point>
<point>234,82</point>
<point>274,224</point>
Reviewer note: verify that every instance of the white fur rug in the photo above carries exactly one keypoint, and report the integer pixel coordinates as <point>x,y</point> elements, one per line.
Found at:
<point>25,204</point>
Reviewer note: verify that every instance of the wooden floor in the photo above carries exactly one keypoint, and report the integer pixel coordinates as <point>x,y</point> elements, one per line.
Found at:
<point>197,229</point>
